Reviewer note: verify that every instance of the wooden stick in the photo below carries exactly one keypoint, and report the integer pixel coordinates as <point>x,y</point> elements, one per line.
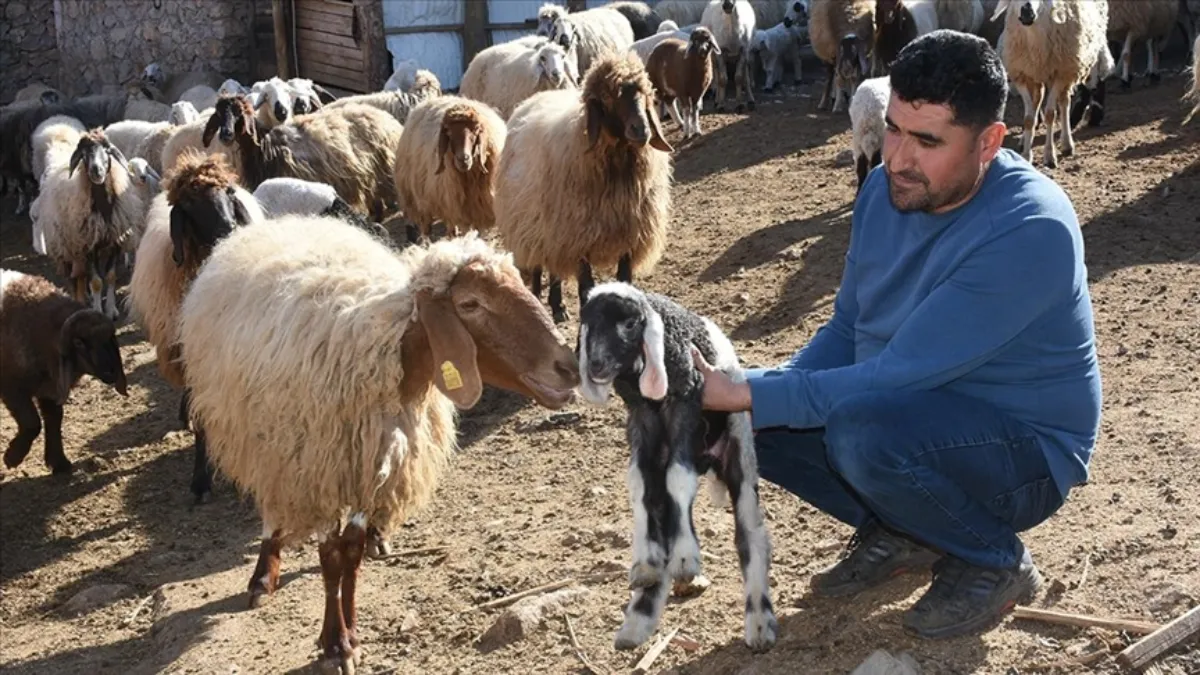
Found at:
<point>579,648</point>
<point>1087,565</point>
<point>412,552</point>
<point>545,588</point>
<point>1085,660</point>
<point>1142,652</point>
<point>1082,621</point>
<point>686,643</point>
<point>137,610</point>
<point>655,651</point>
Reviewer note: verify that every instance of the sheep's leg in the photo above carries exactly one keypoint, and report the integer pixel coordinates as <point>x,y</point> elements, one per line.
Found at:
<point>585,282</point>
<point>1031,96</point>
<point>265,578</point>
<point>335,639</point>
<point>722,79</point>
<point>29,425</point>
<point>750,537</point>
<point>22,200</point>
<point>1064,110</point>
<point>796,68</point>
<point>646,482</point>
<point>536,282</point>
<point>682,482</point>
<point>52,414</point>
<point>1127,62</point>
<point>625,269</point>
<point>824,102</point>
<point>1152,62</point>
<point>377,544</point>
<point>80,289</point>
<point>412,232</point>
<point>861,169</point>
<point>672,105</point>
<point>1050,155</point>
<point>183,409</point>
<point>202,469</point>
<point>354,542</point>
<point>555,296</point>
<point>96,289</point>
<point>110,294</point>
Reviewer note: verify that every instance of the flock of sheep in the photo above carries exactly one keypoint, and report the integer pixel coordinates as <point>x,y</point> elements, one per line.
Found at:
<point>320,365</point>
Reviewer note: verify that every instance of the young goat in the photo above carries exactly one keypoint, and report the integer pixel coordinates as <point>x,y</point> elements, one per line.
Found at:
<point>683,70</point>
<point>47,343</point>
<point>639,345</point>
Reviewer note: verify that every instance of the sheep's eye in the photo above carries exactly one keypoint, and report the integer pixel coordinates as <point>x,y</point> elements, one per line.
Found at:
<point>469,305</point>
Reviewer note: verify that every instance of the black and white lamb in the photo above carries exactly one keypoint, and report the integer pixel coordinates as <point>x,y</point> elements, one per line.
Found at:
<point>639,344</point>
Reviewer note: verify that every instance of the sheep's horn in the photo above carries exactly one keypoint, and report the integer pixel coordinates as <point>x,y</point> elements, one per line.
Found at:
<point>119,156</point>
<point>322,92</point>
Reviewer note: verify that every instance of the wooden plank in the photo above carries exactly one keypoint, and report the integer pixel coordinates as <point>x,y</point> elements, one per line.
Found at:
<point>1142,652</point>
<point>334,25</point>
<point>324,17</point>
<point>349,58</point>
<point>338,8</point>
<point>322,72</point>
<point>377,60</point>
<point>306,35</point>
<point>475,34</point>
<point>412,30</point>
<point>1083,621</point>
<point>352,74</point>
<point>282,39</point>
<point>331,81</point>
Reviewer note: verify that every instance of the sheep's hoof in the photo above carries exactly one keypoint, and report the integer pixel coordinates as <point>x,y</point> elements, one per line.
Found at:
<point>377,547</point>
<point>1068,152</point>
<point>559,315</point>
<point>750,106</point>
<point>644,574</point>
<point>1126,85</point>
<point>768,90</point>
<point>344,664</point>
<point>740,107</point>
<point>1154,78</point>
<point>761,629</point>
<point>63,468</point>
<point>635,631</point>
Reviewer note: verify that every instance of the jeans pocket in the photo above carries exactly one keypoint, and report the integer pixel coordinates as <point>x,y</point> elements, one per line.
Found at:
<point>1029,505</point>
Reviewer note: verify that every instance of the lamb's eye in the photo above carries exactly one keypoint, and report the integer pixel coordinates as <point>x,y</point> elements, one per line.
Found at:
<point>469,305</point>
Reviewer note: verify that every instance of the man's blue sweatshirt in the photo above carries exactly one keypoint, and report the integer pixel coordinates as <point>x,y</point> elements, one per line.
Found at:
<point>989,300</point>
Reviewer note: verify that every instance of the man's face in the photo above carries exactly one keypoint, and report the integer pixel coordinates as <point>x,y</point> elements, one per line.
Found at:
<point>930,162</point>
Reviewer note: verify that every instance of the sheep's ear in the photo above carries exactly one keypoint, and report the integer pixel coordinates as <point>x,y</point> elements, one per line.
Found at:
<point>119,156</point>
<point>1000,7</point>
<point>455,371</point>
<point>595,119</point>
<point>210,129</point>
<point>442,148</point>
<point>481,152</point>
<point>653,382</point>
<point>76,158</point>
<point>241,215</point>
<point>249,126</point>
<point>656,135</point>
<point>66,374</point>
<point>322,93</point>
<point>179,228</point>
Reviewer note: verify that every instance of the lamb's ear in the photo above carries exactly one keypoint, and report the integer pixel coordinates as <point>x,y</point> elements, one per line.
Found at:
<point>250,126</point>
<point>455,371</point>
<point>656,135</point>
<point>76,158</point>
<point>321,92</point>
<point>1000,7</point>
<point>653,382</point>
<point>210,129</point>
<point>595,119</point>
<point>442,148</point>
<point>119,156</point>
<point>179,227</point>
<point>481,151</point>
<point>66,376</point>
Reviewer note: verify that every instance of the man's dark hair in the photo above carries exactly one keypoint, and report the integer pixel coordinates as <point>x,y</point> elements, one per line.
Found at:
<point>958,70</point>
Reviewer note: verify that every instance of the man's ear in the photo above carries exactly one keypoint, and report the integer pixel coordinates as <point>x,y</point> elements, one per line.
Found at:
<point>991,139</point>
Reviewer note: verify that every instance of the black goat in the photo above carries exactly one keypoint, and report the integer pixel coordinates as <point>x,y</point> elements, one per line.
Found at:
<point>639,344</point>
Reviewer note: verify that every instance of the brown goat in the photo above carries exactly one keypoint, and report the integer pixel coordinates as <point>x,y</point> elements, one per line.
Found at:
<point>895,27</point>
<point>683,70</point>
<point>48,341</point>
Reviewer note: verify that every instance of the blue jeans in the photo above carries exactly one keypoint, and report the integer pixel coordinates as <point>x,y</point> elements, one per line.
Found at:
<point>952,472</point>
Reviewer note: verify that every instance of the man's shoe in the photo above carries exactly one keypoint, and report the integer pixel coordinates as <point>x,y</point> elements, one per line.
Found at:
<point>874,556</point>
<point>965,599</point>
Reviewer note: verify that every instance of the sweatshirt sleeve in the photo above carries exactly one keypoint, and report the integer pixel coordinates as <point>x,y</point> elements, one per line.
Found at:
<point>833,344</point>
<point>988,300</point>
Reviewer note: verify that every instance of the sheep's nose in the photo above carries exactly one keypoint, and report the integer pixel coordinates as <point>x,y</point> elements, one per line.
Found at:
<point>567,369</point>
<point>281,112</point>
<point>638,133</point>
<point>787,21</point>
<point>1026,15</point>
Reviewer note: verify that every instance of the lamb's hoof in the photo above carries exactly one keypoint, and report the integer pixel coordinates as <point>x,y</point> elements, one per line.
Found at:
<point>720,107</point>
<point>63,468</point>
<point>644,574</point>
<point>685,562</point>
<point>761,630</point>
<point>750,106</point>
<point>635,631</point>
<point>1154,78</point>
<point>1126,85</point>
<point>690,588</point>
<point>1068,152</point>
<point>768,90</point>
<point>739,108</point>
<point>559,315</point>
<point>378,548</point>
<point>201,498</point>
<point>260,592</point>
<point>1051,163</point>
<point>344,664</point>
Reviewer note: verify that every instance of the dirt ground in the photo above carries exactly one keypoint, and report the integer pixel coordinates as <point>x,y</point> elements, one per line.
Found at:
<point>762,213</point>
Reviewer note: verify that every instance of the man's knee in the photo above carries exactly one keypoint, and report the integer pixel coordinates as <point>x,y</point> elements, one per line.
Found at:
<point>861,437</point>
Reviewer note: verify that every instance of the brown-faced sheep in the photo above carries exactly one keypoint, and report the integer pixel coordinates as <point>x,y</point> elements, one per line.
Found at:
<point>842,34</point>
<point>352,148</point>
<point>325,369</point>
<point>682,70</point>
<point>585,180</point>
<point>468,135</point>
<point>47,343</point>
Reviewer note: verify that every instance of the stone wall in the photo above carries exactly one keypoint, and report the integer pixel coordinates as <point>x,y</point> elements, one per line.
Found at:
<point>104,44</point>
<point>27,46</point>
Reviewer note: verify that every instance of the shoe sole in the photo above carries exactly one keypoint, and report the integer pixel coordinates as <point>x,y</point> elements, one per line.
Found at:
<point>856,588</point>
<point>981,623</point>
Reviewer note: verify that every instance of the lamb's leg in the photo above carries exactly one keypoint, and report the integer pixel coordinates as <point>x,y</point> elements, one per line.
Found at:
<point>110,294</point>
<point>555,296</point>
<point>796,68</point>
<point>335,639</point>
<point>377,544</point>
<point>80,289</point>
<point>183,409</point>
<point>22,200</point>
<point>1032,103</point>
<point>29,425</point>
<point>585,282</point>
<point>202,469</point>
<point>646,482</point>
<point>52,414</point>
<point>1064,111</point>
<point>683,562</point>
<point>625,269</point>
<point>265,578</point>
<point>751,539</point>
<point>673,110</point>
<point>824,102</point>
<point>722,79</point>
<point>1050,155</point>
<point>861,170</point>
<point>1152,62</point>
<point>354,542</point>
<point>536,282</point>
<point>96,287</point>
<point>1127,62</point>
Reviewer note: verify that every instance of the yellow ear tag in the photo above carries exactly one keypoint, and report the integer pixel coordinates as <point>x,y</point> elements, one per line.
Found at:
<point>450,376</point>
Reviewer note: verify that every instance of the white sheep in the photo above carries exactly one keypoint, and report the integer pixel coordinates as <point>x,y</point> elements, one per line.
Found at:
<point>130,135</point>
<point>403,76</point>
<point>666,29</point>
<point>732,23</point>
<point>591,33</point>
<point>775,46</point>
<point>682,12</point>
<point>506,74</point>
<point>1129,23</point>
<point>1055,47</point>
<point>57,134</point>
<point>325,369</point>
<point>183,112</point>
<point>1193,94</point>
<point>294,196</point>
<point>140,105</point>
<point>868,111</point>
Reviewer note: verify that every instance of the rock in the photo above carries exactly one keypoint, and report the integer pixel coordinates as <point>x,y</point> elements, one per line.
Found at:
<point>613,536</point>
<point>882,663</point>
<point>1168,598</point>
<point>410,622</point>
<point>95,597</point>
<point>527,615</point>
<point>598,491</point>
<point>844,159</point>
<point>690,589</point>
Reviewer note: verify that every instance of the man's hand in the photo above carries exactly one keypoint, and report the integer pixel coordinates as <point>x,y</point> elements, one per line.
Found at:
<point>720,391</point>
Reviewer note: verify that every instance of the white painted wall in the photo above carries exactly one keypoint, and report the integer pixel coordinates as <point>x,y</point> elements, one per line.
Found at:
<point>514,11</point>
<point>439,52</point>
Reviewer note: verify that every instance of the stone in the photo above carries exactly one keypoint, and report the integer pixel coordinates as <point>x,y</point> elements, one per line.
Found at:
<point>883,663</point>
<point>527,615</point>
<point>95,597</point>
<point>844,159</point>
<point>15,10</point>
